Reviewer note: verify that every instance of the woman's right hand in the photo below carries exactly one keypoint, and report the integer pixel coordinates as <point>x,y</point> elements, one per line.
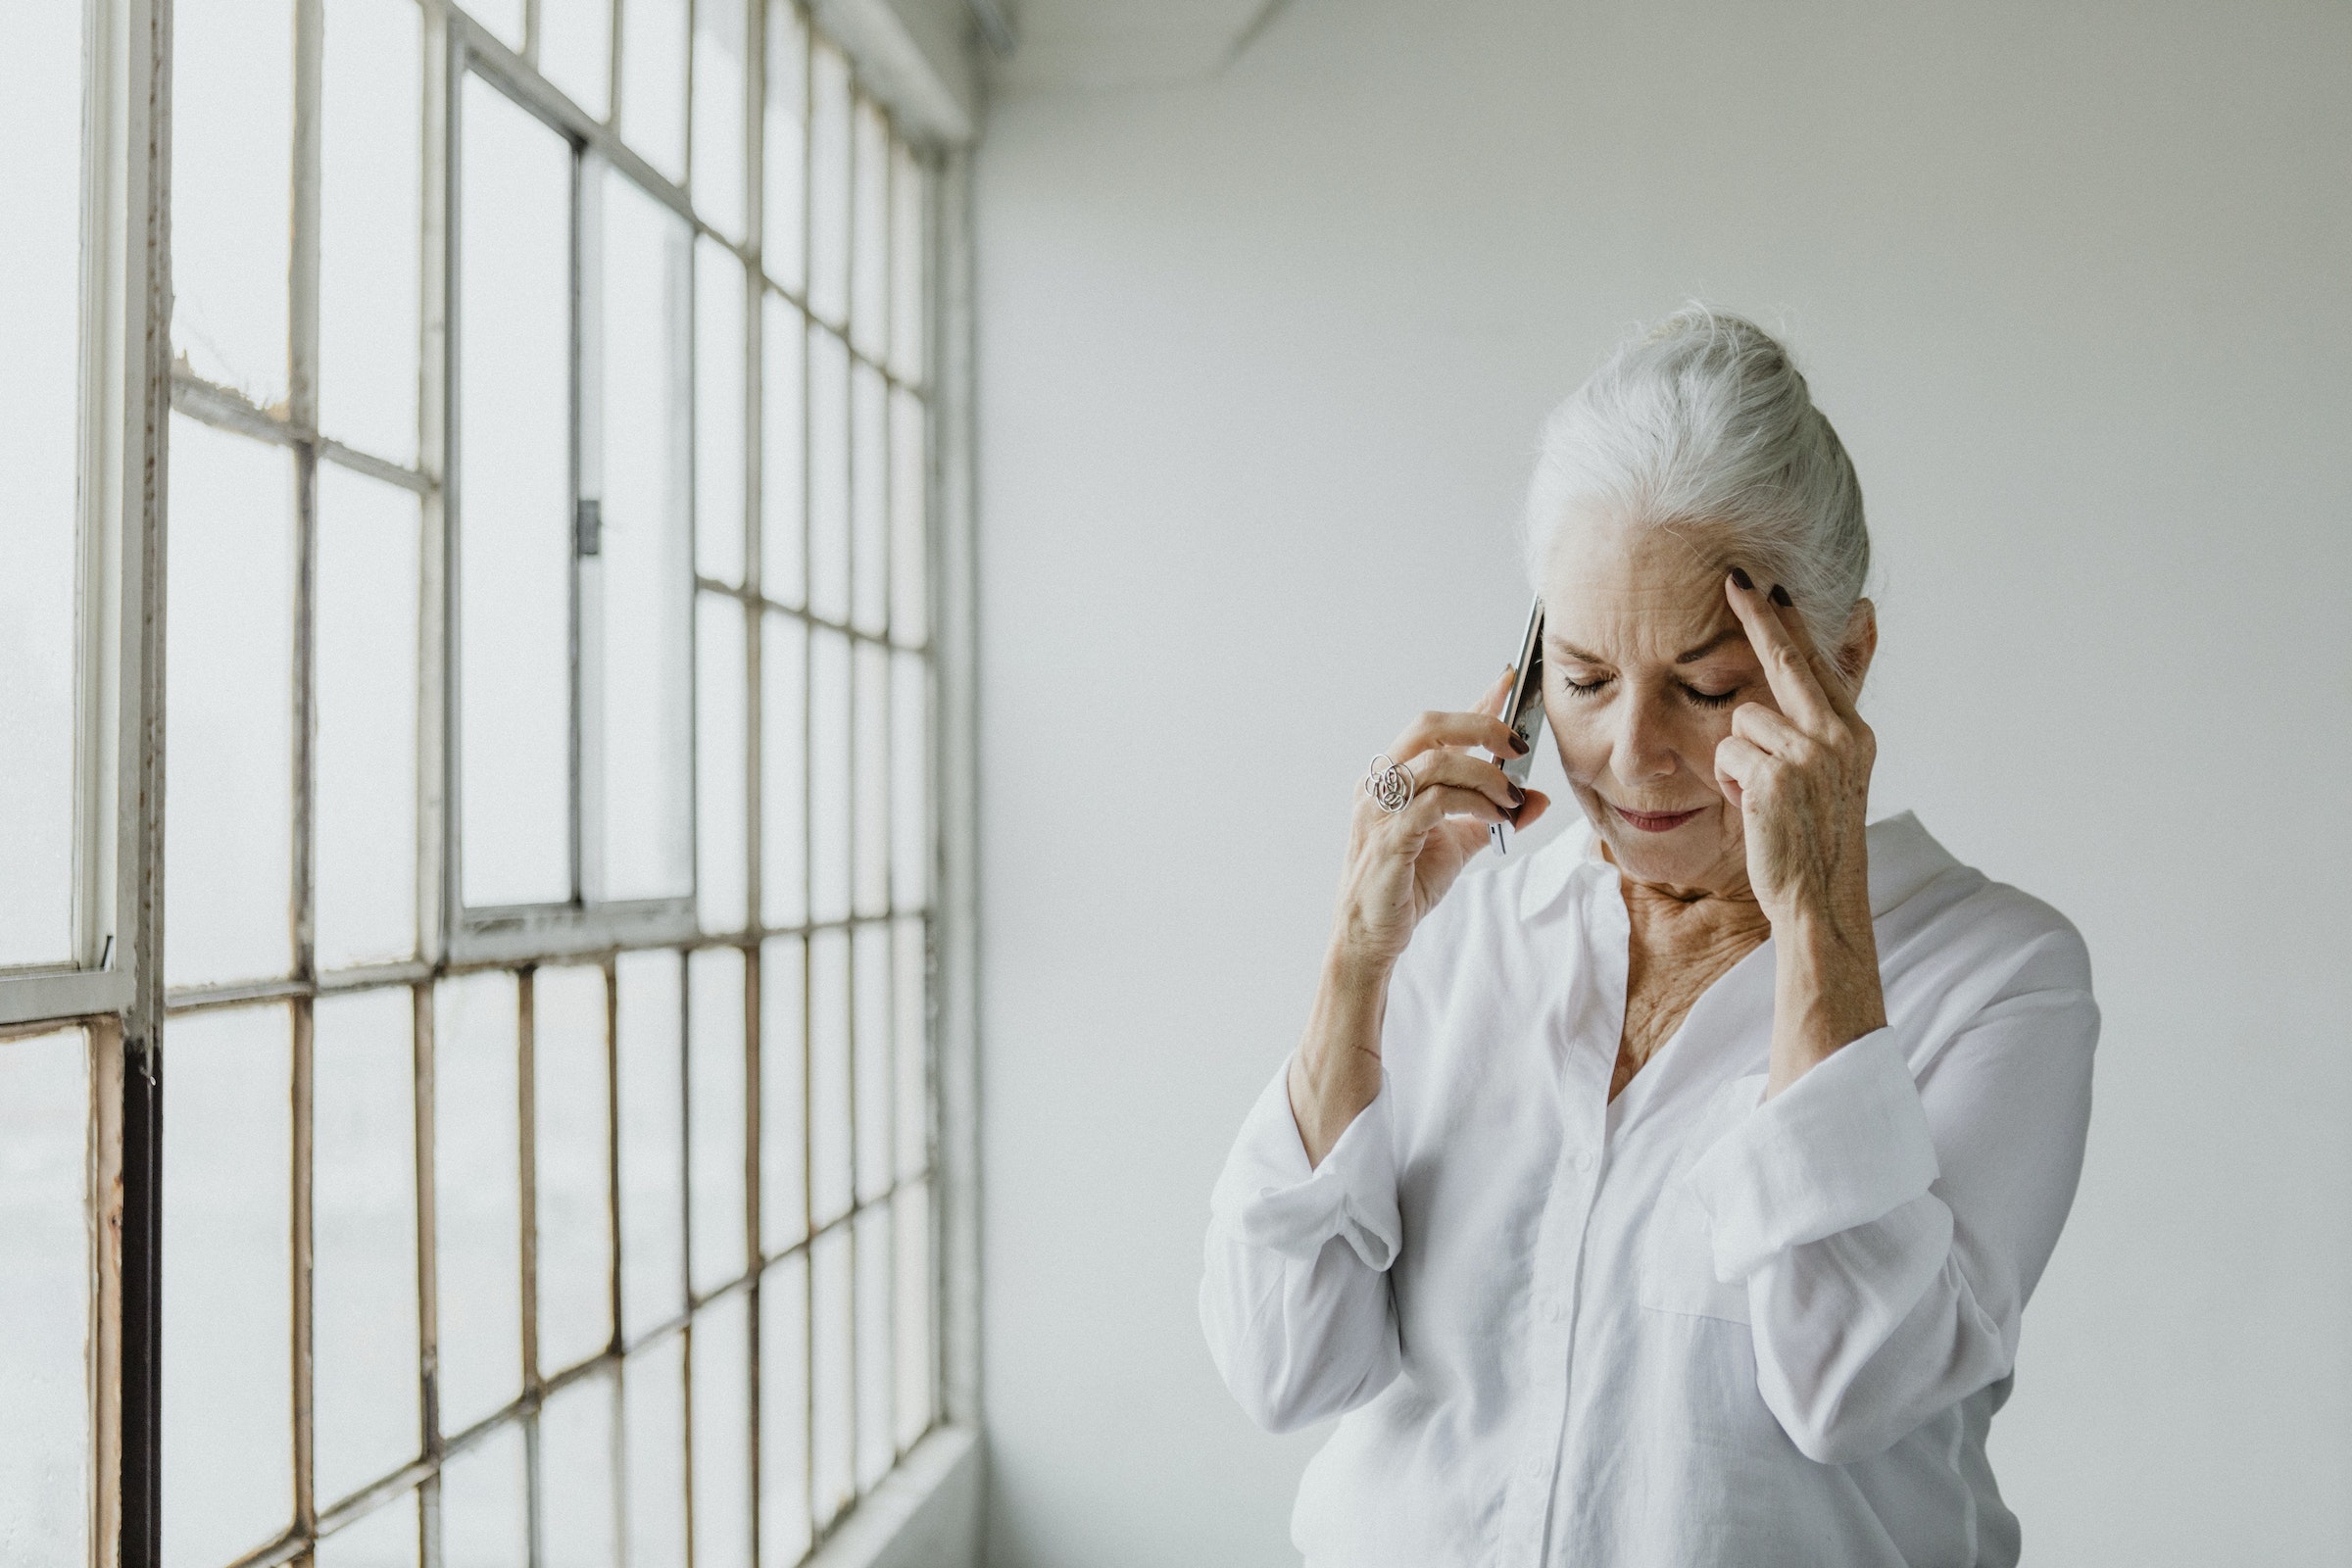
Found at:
<point>1400,863</point>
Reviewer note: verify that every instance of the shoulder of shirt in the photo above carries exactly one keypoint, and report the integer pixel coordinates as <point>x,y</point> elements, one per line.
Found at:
<point>1919,886</point>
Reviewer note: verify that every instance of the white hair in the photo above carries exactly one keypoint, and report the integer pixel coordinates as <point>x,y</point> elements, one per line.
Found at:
<point>1703,424</point>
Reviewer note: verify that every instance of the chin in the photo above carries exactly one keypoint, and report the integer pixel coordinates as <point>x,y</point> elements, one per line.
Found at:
<point>1690,854</point>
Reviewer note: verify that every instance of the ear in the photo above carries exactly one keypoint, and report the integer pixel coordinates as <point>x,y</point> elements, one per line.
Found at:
<point>1858,645</point>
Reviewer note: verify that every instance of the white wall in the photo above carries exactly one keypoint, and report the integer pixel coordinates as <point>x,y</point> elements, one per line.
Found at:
<point>1262,354</point>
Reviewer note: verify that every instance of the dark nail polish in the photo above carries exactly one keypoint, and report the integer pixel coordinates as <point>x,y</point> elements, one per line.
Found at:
<point>1780,597</point>
<point>1518,797</point>
<point>1518,744</point>
<point>1739,575</point>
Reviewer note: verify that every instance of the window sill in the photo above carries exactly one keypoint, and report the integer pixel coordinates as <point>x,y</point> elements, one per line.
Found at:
<point>925,1513</point>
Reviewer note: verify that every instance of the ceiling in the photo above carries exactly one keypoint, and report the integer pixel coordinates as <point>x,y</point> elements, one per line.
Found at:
<point>1101,45</point>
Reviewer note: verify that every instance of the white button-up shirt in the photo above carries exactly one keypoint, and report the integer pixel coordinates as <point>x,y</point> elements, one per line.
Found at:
<point>1691,1326</point>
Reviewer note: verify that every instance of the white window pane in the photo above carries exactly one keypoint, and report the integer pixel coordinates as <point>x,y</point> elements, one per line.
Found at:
<point>721,125</point>
<point>645,572</point>
<point>784,1533</point>
<point>717,1110</point>
<point>829,1141</point>
<point>784,170</point>
<point>575,51</point>
<point>654,1453</point>
<point>909,781</point>
<point>869,499</point>
<point>477,1196</point>
<point>722,778</point>
<point>653,82</point>
<point>876,1347</point>
<point>572,1140</point>
<point>228,1438</point>
<point>390,1537</point>
<point>783,770</point>
<point>783,453</point>
<point>501,16</point>
<point>828,184</point>
<point>721,1354</point>
<point>232,183</point>
<point>366,679</point>
<point>910,520</point>
<point>228,703</point>
<point>828,476</point>
<point>869,231</point>
<point>45,1295</point>
<point>829,776</point>
<point>719,357</point>
<point>579,1499</point>
<point>40,189</point>
<point>870,810</point>
<point>369,117</point>
<point>832,1377</point>
<point>513,504</point>
<point>909,263</point>
<point>783,1093</point>
<point>484,1522</point>
<point>911,1045</point>
<point>365,1350</point>
<point>911,1231</point>
<point>653,1142</point>
<point>869,1032</point>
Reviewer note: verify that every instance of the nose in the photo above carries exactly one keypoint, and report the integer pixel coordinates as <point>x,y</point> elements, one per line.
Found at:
<point>1644,745</point>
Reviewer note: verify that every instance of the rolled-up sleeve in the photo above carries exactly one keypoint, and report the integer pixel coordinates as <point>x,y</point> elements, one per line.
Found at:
<point>1295,1297</point>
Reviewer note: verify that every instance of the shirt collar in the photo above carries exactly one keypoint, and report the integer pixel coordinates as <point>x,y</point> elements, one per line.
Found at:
<point>1903,858</point>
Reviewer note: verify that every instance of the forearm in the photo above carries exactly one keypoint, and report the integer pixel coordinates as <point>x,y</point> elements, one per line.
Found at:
<point>1336,1071</point>
<point>1825,991</point>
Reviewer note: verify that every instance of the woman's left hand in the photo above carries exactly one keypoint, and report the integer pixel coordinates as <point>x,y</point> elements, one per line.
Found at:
<point>1800,778</point>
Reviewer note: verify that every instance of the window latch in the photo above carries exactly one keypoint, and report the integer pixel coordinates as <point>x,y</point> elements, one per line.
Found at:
<point>588,529</point>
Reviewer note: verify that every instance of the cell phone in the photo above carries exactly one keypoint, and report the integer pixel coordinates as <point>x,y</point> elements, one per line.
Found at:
<point>1523,711</point>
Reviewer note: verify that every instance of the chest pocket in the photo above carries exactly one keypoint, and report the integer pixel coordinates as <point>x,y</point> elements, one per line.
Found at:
<point>1678,1248</point>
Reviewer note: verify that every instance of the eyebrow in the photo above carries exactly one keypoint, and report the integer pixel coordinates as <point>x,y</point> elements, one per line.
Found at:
<point>1687,656</point>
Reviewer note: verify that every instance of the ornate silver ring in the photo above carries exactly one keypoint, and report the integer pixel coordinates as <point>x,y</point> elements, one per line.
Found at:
<point>1389,783</point>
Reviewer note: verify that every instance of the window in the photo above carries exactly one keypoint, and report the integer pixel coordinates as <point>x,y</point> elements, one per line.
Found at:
<point>546,724</point>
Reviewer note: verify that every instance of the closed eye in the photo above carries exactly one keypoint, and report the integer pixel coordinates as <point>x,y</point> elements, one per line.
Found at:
<point>1710,699</point>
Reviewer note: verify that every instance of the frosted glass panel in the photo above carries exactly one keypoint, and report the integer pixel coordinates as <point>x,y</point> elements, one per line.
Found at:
<point>722,1433</point>
<point>869,499</point>
<point>653,82</point>
<point>910,520</point>
<point>44,1295</point>
<point>909,781</point>
<point>832,1377</point>
<point>579,1497</point>
<point>869,231</point>
<point>40,189</point>
<point>876,1347</point>
<point>784,1534</point>
<point>784,770</point>
<point>228,701</point>
<point>783,1093</point>
<point>828,184</point>
<point>719,356</point>
<point>717,1108</point>
<point>910,264</point>
<point>723,750</point>
<point>364,1349</point>
<point>871,1019</point>
<point>828,476</point>
<point>575,50</point>
<point>232,183</point>
<point>572,1139</point>
<point>653,1142</point>
<point>871,808</point>
<point>369,117</point>
<point>785,165</point>
<point>367,677</point>
<point>513,520</point>
<point>388,1538</point>
<point>829,774</point>
<point>484,1520</point>
<point>783,453</point>
<point>913,1379</point>
<point>228,1439</point>
<point>477,1196</point>
<point>829,1149</point>
<point>911,1034</point>
<point>646,571</point>
<point>721,125</point>
<point>654,1453</point>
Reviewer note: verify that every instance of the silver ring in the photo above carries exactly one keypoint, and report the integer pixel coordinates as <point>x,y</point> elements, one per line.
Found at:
<point>1390,784</point>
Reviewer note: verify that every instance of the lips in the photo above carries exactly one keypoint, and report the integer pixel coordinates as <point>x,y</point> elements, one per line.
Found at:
<point>1655,821</point>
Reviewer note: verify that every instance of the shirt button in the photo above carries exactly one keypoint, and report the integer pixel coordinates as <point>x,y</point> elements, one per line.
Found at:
<point>1552,1310</point>
<point>1533,1469</point>
<point>1583,1161</point>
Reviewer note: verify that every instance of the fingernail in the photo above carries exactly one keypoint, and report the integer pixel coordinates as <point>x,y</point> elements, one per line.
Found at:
<point>1739,575</point>
<point>1518,746</point>
<point>1518,797</point>
<point>1780,597</point>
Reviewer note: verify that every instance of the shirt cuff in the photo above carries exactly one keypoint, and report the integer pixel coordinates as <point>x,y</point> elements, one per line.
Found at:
<point>1844,1144</point>
<point>1274,1200</point>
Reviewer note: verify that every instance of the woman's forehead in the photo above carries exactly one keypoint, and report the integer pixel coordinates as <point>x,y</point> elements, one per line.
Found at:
<point>1627,590</point>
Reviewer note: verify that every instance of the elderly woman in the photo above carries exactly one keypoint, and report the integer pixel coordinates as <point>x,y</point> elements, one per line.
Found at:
<point>1669,1194</point>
